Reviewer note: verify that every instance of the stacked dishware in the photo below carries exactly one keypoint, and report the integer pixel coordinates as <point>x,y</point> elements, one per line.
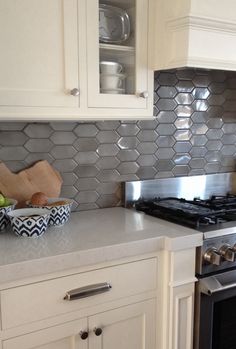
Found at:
<point>112,78</point>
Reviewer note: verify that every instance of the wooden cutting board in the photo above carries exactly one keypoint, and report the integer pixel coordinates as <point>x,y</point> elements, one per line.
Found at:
<point>21,186</point>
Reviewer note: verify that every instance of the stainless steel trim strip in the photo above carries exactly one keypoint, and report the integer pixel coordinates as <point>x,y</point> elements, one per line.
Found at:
<point>182,187</point>
<point>87,291</point>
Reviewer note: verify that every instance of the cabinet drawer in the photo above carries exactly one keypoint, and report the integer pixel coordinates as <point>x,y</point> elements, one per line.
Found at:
<point>25,304</point>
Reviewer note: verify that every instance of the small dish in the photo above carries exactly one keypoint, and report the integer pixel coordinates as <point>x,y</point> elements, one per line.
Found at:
<point>29,222</point>
<point>4,220</point>
<point>60,209</point>
<point>113,91</point>
<point>114,24</point>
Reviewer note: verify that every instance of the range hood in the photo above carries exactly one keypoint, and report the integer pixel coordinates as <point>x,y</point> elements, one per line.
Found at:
<point>194,33</point>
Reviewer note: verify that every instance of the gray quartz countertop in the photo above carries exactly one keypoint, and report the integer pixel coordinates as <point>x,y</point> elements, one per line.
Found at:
<point>89,238</point>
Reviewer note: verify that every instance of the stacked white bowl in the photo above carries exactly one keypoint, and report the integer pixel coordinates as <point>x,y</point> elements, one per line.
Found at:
<point>112,77</point>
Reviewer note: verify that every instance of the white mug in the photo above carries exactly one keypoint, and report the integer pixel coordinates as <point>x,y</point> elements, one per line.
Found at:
<point>107,67</point>
<point>111,81</point>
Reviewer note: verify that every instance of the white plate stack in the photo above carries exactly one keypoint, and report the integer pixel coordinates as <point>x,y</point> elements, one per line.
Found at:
<point>112,78</point>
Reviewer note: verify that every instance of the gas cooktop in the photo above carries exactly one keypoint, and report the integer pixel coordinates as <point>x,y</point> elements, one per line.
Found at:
<point>200,214</point>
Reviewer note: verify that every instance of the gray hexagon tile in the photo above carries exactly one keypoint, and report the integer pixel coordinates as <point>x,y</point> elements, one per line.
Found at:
<point>128,129</point>
<point>147,124</point>
<point>127,155</point>
<point>13,153</point>
<point>146,160</point>
<point>128,142</point>
<point>107,163</point>
<point>184,111</point>
<point>34,157</point>
<point>86,144</point>
<point>166,129</point>
<point>107,150</point>
<point>12,138</point>
<point>182,147</point>
<point>166,117</point>
<point>38,130</point>
<point>12,126</point>
<point>86,157</point>
<point>86,171</point>
<point>146,148</point>
<point>63,137</point>
<point>166,104</point>
<point>65,165</point>
<point>63,152</point>
<point>167,92</point>
<point>128,167</point>
<point>107,136</point>
<point>39,145</point>
<point>87,184</point>
<point>165,141</point>
<point>184,86</point>
<point>147,135</point>
<point>86,130</point>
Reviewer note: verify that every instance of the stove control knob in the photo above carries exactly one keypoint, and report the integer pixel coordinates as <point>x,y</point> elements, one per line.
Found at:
<point>228,253</point>
<point>212,256</point>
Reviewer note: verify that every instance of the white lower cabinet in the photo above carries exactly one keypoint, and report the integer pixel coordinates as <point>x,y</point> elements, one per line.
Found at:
<point>104,308</point>
<point>129,327</point>
<point>65,336</point>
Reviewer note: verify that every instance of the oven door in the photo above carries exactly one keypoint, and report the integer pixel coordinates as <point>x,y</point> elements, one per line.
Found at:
<point>216,313</point>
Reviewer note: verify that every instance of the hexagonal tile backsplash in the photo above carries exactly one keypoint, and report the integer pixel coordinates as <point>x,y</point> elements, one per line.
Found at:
<point>194,133</point>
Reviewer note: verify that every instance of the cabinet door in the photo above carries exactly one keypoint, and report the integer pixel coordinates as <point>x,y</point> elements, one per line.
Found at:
<point>130,327</point>
<point>39,53</point>
<point>125,83</point>
<point>66,336</point>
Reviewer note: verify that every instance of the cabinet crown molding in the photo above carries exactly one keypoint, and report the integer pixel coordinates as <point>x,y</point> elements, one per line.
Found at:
<point>207,23</point>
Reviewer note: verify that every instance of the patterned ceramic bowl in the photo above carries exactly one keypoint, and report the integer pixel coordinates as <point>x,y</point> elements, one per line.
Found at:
<point>60,209</point>
<point>29,222</point>
<point>4,220</point>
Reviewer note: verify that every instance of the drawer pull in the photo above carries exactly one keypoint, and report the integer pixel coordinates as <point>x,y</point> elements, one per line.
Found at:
<point>87,291</point>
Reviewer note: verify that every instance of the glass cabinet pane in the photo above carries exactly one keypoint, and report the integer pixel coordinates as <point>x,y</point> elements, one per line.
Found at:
<point>117,46</point>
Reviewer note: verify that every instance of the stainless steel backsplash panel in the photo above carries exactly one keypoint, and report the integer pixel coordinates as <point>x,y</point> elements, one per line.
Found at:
<point>182,187</point>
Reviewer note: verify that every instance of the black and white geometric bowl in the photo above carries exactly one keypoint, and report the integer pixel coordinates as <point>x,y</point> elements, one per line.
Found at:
<point>4,220</point>
<point>29,222</point>
<point>59,214</point>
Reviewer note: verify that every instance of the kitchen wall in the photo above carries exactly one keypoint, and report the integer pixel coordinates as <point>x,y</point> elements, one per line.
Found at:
<point>194,133</point>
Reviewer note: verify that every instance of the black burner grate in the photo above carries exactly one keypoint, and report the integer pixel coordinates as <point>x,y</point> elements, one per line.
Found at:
<point>194,213</point>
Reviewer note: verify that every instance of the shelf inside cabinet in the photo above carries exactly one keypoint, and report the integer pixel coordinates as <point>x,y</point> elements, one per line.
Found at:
<point>117,50</point>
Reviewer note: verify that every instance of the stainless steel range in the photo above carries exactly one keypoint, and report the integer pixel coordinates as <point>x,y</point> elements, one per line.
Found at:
<point>207,204</point>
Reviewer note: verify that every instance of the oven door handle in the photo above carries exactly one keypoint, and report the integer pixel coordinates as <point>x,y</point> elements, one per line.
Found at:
<point>212,284</point>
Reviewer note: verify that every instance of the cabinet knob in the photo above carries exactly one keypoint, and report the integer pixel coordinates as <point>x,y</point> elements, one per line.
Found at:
<point>144,94</point>
<point>75,92</point>
<point>97,331</point>
<point>83,335</point>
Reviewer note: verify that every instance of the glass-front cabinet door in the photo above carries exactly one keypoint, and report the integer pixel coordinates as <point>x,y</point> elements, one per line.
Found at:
<point>118,54</point>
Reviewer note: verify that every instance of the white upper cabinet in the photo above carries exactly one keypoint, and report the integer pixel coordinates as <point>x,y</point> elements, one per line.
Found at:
<point>125,84</point>
<point>39,50</point>
<point>195,33</point>
<point>51,53</point>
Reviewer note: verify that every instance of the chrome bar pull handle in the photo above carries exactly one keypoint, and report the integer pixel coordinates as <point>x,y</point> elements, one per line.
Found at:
<point>87,291</point>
